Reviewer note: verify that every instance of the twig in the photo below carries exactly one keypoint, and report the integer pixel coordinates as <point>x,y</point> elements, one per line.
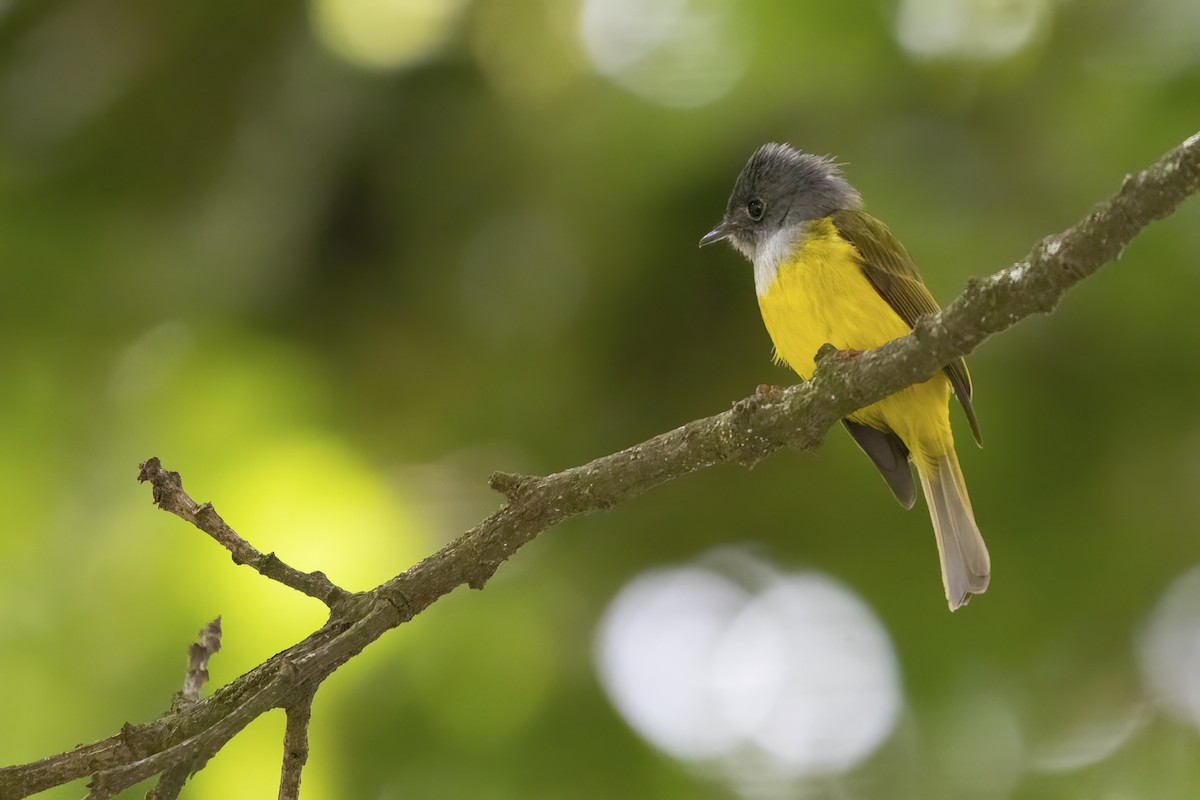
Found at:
<point>171,783</point>
<point>198,655</point>
<point>295,747</point>
<point>754,428</point>
<point>170,496</point>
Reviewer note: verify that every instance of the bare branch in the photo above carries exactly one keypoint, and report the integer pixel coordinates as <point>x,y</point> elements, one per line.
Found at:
<point>170,496</point>
<point>755,427</point>
<point>295,747</point>
<point>172,781</point>
<point>198,655</point>
<point>191,753</point>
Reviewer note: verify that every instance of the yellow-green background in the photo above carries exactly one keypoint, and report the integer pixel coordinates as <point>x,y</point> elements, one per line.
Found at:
<point>337,263</point>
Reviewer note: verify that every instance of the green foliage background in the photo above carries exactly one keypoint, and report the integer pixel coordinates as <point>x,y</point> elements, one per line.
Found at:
<point>336,297</point>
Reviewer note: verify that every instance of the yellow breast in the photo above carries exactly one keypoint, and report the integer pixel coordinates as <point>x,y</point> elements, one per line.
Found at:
<point>820,295</point>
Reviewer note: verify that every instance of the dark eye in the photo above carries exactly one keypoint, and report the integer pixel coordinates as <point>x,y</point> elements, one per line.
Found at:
<point>755,209</point>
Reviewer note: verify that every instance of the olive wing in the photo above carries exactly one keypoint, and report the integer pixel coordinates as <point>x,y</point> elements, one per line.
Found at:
<point>891,271</point>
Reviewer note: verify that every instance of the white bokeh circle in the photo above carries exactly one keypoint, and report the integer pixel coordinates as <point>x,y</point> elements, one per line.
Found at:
<point>797,672</point>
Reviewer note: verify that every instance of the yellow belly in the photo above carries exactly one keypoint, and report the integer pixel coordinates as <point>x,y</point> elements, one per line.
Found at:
<point>820,296</point>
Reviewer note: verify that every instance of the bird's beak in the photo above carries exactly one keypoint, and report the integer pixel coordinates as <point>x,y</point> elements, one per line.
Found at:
<point>717,234</point>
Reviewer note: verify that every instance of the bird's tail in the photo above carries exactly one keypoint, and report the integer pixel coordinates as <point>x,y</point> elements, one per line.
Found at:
<point>966,567</point>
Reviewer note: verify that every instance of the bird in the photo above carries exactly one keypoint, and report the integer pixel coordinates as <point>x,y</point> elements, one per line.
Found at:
<point>827,272</point>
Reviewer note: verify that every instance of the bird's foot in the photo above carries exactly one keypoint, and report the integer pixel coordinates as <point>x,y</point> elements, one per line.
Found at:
<point>828,350</point>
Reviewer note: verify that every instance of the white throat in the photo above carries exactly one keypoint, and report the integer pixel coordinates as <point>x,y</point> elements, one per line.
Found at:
<point>774,252</point>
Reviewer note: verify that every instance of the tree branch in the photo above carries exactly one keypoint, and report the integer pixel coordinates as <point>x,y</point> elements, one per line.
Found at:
<point>193,752</point>
<point>169,495</point>
<point>755,427</point>
<point>295,747</point>
<point>198,655</point>
<point>170,784</point>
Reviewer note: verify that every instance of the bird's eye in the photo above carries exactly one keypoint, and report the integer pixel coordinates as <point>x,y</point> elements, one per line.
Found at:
<point>755,209</point>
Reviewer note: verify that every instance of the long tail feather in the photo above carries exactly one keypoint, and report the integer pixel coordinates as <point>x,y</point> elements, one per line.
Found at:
<point>966,567</point>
